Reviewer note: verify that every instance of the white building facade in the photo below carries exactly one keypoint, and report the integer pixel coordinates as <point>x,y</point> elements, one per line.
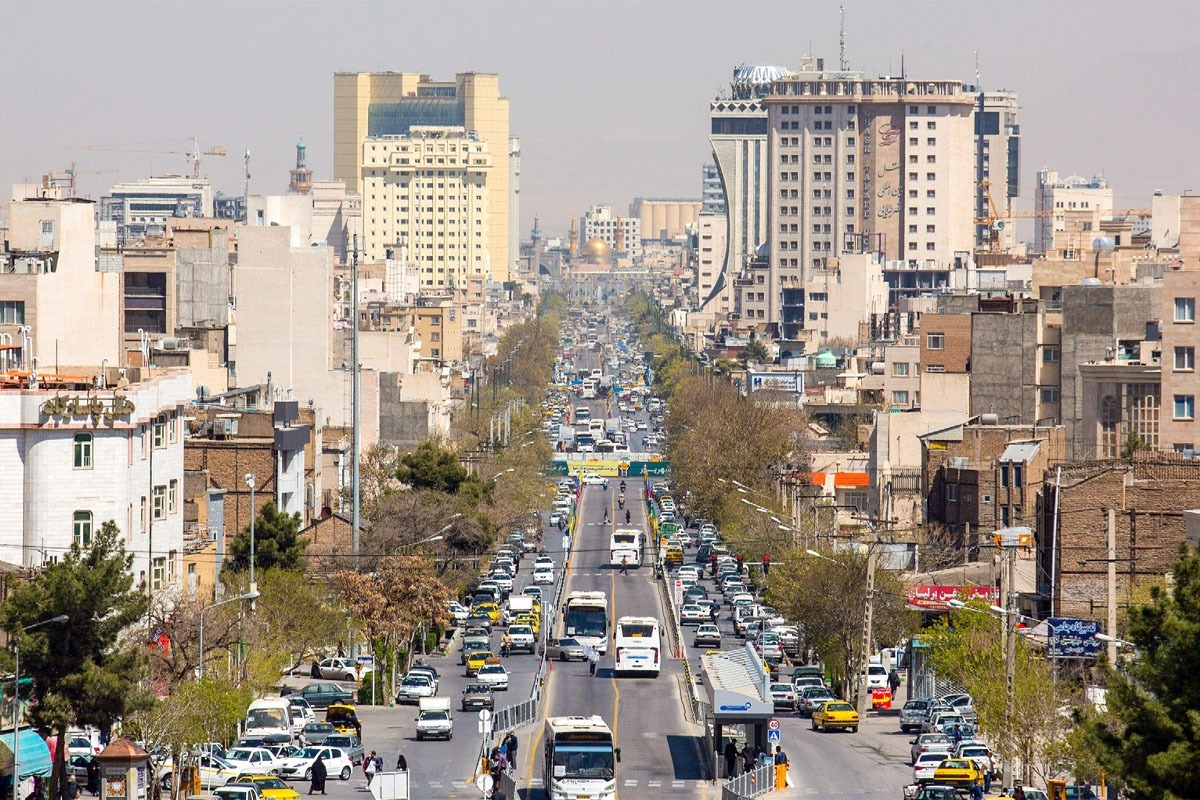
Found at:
<point>622,234</point>
<point>77,458</point>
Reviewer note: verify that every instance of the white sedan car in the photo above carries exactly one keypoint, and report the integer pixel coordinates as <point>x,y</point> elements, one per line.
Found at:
<point>493,675</point>
<point>543,575</point>
<point>926,764</point>
<point>692,614</point>
<point>299,766</point>
<point>592,479</point>
<point>414,687</point>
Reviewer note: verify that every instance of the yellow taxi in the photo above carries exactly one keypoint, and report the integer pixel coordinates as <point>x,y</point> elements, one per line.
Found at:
<point>674,554</point>
<point>491,609</point>
<point>958,772</point>
<point>272,788</point>
<point>532,620</point>
<point>342,717</point>
<point>835,714</point>
<point>477,659</point>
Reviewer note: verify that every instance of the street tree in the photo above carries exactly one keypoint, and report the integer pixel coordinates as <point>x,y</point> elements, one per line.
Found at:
<point>830,595</point>
<point>276,542</point>
<point>1150,732</point>
<point>85,670</point>
<point>434,465</point>
<point>968,647</point>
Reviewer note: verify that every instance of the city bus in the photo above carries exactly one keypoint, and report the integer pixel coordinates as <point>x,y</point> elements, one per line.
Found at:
<point>580,759</point>
<point>626,543</point>
<point>585,618</point>
<point>638,646</point>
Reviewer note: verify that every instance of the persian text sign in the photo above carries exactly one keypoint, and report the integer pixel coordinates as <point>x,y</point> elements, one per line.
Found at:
<point>937,597</point>
<point>93,406</point>
<point>1068,637</point>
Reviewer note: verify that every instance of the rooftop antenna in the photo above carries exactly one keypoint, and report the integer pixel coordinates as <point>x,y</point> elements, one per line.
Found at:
<point>842,39</point>
<point>246,203</point>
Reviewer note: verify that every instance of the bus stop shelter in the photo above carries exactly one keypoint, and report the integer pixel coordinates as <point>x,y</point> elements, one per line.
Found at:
<point>739,693</point>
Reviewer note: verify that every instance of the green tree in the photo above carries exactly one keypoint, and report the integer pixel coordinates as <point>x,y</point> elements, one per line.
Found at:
<point>1150,734</point>
<point>276,543</point>
<point>755,351</point>
<point>83,672</point>
<point>433,466</point>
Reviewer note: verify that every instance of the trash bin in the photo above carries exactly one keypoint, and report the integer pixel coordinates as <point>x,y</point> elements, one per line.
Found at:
<point>881,698</point>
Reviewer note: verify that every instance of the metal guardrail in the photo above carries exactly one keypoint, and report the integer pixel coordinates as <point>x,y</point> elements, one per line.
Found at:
<point>754,783</point>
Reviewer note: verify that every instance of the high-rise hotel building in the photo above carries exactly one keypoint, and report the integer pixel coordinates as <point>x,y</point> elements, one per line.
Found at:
<point>878,164</point>
<point>384,110</point>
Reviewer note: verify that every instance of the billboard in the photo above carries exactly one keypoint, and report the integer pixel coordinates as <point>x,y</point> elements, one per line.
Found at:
<point>937,597</point>
<point>1068,637</point>
<point>792,382</point>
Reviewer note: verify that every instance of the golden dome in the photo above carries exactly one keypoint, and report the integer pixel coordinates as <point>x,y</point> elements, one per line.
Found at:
<point>595,248</point>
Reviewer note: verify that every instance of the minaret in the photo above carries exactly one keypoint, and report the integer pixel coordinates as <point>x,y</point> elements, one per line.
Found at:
<point>573,239</point>
<point>301,176</point>
<point>619,235</point>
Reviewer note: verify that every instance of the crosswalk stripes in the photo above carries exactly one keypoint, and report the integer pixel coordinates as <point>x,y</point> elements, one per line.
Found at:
<point>676,784</point>
<point>631,782</point>
<point>654,784</point>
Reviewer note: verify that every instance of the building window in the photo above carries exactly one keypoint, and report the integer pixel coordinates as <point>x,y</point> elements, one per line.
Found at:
<point>1185,358</point>
<point>1003,476</point>
<point>1051,354</point>
<point>1018,476</point>
<point>900,398</point>
<point>172,559</point>
<point>1185,406</point>
<point>160,502</point>
<point>158,567</point>
<point>935,341</point>
<point>952,492</point>
<point>900,369</point>
<point>83,528</point>
<point>12,312</point>
<point>160,432</point>
<point>1049,395</point>
<point>83,450</point>
<point>173,496</point>
<point>1185,309</point>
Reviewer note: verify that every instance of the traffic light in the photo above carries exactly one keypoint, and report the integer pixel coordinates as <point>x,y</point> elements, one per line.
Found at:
<point>766,565</point>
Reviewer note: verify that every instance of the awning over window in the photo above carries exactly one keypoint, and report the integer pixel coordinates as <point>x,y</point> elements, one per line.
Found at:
<point>35,755</point>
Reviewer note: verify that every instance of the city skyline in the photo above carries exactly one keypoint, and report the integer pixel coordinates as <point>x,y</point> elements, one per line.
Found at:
<point>608,106</point>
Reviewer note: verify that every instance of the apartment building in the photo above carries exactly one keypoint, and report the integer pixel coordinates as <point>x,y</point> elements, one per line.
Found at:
<point>1055,198</point>
<point>141,208</point>
<point>76,457</point>
<point>1178,427</point>
<point>885,158</point>
<point>712,281</point>
<point>623,235</point>
<point>327,213</point>
<point>946,362</point>
<point>712,193</point>
<point>997,164</point>
<point>429,190</point>
<point>385,104</point>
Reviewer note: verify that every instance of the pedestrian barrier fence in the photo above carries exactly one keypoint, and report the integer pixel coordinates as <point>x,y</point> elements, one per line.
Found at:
<point>754,783</point>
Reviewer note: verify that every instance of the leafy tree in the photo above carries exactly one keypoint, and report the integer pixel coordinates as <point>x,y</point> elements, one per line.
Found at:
<point>755,351</point>
<point>1150,735</point>
<point>276,543</point>
<point>83,672</point>
<point>432,466</point>
<point>829,595</point>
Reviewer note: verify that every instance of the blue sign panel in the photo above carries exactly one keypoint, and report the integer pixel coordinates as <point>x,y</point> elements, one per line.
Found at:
<point>774,736</point>
<point>1069,637</point>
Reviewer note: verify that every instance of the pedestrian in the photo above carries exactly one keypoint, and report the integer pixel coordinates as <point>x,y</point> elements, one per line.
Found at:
<point>731,755</point>
<point>315,672</point>
<point>748,757</point>
<point>593,659</point>
<point>93,777</point>
<point>627,516</point>
<point>894,682</point>
<point>401,763</point>
<point>1018,793</point>
<point>72,788</point>
<point>780,756</point>
<point>606,516</point>
<point>624,565</point>
<point>510,746</point>
<point>987,778</point>
<point>976,791</point>
<point>318,776</point>
<point>369,767</point>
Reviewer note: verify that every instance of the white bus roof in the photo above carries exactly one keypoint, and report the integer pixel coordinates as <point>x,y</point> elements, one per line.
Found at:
<point>638,620</point>
<point>587,596</point>
<point>594,723</point>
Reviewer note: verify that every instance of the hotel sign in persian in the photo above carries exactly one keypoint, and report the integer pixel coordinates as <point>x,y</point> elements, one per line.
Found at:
<point>90,406</point>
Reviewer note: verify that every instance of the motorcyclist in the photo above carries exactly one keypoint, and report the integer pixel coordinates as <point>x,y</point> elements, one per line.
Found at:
<point>622,487</point>
<point>606,484</point>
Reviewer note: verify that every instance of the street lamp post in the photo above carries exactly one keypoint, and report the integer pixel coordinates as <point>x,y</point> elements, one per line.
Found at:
<point>253,514</point>
<point>17,701</point>
<point>250,595</point>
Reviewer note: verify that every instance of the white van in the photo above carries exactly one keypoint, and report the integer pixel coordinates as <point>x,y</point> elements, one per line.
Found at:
<point>270,716</point>
<point>435,719</point>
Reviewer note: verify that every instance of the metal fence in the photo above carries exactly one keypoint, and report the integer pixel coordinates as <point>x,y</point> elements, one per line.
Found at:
<point>754,783</point>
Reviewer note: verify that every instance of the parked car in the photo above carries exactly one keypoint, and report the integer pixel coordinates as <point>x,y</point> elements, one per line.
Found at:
<point>707,635</point>
<point>349,744</point>
<point>272,787</point>
<point>913,714</point>
<point>567,649</point>
<point>926,765</point>
<point>811,698</point>
<point>242,761</point>
<point>315,733</point>
<point>476,696</point>
<point>339,669</point>
<point>415,686</point>
<point>877,677</point>
<point>938,723</point>
<point>323,695</point>
<point>931,743</point>
<point>979,753</point>
<point>299,766</point>
<point>957,772</point>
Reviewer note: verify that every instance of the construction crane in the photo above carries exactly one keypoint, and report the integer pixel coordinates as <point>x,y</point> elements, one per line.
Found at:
<point>194,154</point>
<point>993,221</point>
<point>67,177</point>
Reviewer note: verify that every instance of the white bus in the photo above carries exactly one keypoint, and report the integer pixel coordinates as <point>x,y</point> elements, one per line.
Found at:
<point>626,543</point>
<point>585,618</point>
<point>638,646</point>
<point>580,759</point>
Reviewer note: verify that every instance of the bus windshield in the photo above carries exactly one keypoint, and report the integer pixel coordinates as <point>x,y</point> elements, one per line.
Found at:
<point>624,538</point>
<point>586,622</point>
<point>583,761</point>
<point>635,630</point>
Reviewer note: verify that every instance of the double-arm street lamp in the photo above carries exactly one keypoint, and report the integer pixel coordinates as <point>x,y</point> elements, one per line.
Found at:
<point>250,595</point>
<point>17,701</point>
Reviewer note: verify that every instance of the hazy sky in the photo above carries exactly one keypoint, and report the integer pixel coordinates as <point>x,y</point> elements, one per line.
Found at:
<point>610,98</point>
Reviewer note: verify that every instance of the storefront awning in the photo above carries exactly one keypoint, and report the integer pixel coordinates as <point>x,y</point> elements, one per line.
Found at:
<point>35,755</point>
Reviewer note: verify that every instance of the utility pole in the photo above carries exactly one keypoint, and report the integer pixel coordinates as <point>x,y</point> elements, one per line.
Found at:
<point>1010,657</point>
<point>868,634</point>
<point>1111,627</point>
<point>354,436</point>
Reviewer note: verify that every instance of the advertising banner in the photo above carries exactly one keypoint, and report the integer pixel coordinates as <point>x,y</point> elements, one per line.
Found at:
<point>1068,637</point>
<point>938,597</point>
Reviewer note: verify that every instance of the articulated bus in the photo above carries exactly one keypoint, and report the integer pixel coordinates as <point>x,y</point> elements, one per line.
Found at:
<point>585,618</point>
<point>580,759</point>
<point>626,543</point>
<point>638,646</point>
